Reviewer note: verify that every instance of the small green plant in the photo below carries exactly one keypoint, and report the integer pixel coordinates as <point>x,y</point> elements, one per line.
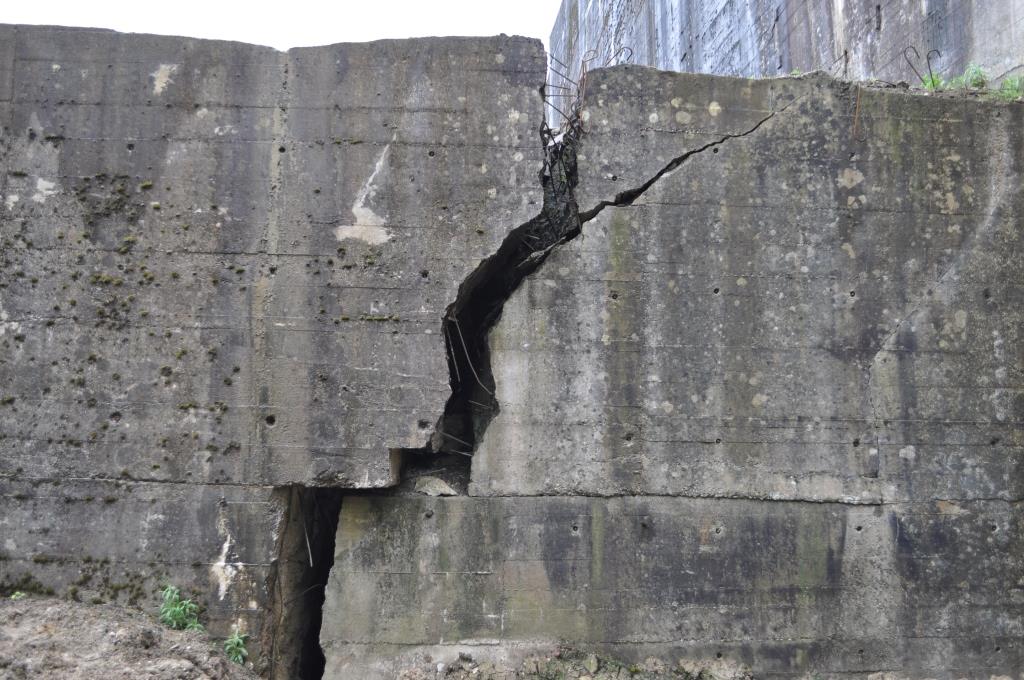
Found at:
<point>18,595</point>
<point>177,613</point>
<point>974,78</point>
<point>1011,89</point>
<point>234,647</point>
<point>932,82</point>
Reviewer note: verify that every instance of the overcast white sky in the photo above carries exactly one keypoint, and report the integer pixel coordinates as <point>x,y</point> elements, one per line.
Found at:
<point>294,23</point>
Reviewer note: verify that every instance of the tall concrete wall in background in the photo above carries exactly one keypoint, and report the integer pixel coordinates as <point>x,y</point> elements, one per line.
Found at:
<point>853,39</point>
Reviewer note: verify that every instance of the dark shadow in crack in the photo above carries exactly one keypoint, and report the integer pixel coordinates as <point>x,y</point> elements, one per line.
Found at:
<point>477,307</point>
<point>299,579</point>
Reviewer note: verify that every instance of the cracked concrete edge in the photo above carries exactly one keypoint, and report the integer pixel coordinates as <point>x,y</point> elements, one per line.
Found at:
<point>629,196</point>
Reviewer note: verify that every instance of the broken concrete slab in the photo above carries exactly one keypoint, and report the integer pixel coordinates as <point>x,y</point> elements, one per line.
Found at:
<point>334,183</point>
<point>775,377</point>
<point>432,486</point>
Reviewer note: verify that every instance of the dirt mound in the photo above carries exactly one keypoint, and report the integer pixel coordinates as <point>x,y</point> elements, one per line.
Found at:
<point>48,638</point>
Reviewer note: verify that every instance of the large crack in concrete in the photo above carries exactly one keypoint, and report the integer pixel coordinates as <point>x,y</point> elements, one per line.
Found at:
<point>482,295</point>
<point>311,516</point>
<point>305,555</point>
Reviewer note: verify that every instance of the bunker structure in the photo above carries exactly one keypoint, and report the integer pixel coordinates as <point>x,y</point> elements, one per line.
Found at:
<point>385,354</point>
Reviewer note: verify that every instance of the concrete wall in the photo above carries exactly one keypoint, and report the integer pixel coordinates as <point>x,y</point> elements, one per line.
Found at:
<point>224,272</point>
<point>853,39</point>
<point>764,412</point>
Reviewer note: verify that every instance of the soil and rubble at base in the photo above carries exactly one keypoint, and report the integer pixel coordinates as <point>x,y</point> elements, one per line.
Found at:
<point>573,663</point>
<point>47,638</point>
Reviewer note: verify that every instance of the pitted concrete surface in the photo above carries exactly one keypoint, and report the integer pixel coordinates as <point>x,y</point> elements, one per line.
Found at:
<point>224,271</point>
<point>771,319</point>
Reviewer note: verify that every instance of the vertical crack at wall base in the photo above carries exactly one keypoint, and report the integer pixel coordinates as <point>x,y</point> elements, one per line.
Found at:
<point>297,583</point>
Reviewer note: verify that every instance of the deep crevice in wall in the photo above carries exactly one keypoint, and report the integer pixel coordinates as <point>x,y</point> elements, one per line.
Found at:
<point>481,297</point>
<point>297,583</point>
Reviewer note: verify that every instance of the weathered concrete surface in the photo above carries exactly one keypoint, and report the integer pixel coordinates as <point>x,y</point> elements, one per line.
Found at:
<point>224,271</point>
<point>758,38</point>
<point>787,378</point>
<point>782,588</point>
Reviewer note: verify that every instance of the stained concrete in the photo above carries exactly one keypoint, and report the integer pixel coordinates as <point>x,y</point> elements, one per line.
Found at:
<point>783,589</point>
<point>224,272</point>
<point>764,409</point>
